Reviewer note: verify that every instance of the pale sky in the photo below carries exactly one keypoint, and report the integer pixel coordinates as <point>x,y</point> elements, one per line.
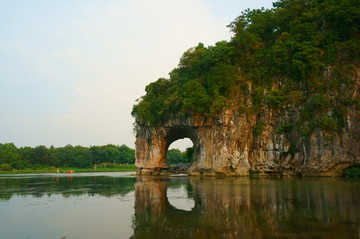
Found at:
<point>71,70</point>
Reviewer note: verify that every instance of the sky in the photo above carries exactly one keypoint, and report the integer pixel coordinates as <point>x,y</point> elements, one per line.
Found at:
<point>71,70</point>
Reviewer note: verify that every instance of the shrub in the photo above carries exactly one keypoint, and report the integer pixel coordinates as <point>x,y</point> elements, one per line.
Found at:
<point>277,99</point>
<point>285,128</point>
<point>327,123</point>
<point>5,167</point>
<point>258,128</point>
<point>319,102</point>
<point>352,172</point>
<point>251,172</point>
<point>257,97</point>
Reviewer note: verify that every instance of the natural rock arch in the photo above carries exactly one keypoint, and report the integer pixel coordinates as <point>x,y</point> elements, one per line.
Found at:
<point>216,148</point>
<point>151,153</point>
<point>233,144</point>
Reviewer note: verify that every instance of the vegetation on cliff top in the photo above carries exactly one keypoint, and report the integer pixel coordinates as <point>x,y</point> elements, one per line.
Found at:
<point>299,53</point>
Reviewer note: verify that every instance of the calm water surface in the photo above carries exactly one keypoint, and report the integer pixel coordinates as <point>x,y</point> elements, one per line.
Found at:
<point>118,205</point>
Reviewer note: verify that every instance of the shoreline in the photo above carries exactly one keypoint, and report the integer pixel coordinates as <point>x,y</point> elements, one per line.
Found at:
<point>63,170</point>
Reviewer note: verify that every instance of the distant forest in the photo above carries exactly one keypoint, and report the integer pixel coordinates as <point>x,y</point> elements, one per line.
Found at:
<point>12,157</point>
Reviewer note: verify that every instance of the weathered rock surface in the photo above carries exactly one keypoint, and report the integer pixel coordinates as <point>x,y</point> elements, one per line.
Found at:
<point>228,144</point>
<point>180,168</point>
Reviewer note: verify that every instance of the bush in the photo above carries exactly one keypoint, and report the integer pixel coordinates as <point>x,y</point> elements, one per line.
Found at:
<point>277,99</point>
<point>258,128</point>
<point>5,167</point>
<point>319,102</point>
<point>251,172</point>
<point>352,172</point>
<point>327,123</point>
<point>285,128</point>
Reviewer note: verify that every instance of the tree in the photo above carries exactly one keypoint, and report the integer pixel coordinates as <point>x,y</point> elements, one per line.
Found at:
<point>126,154</point>
<point>40,156</point>
<point>189,154</point>
<point>9,157</point>
<point>175,156</point>
<point>298,48</point>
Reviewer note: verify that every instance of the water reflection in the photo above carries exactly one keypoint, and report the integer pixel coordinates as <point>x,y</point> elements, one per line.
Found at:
<point>244,208</point>
<point>80,184</point>
<point>119,206</point>
<point>59,206</point>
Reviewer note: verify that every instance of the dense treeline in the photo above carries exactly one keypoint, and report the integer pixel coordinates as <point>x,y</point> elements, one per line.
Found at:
<point>175,156</point>
<point>41,156</point>
<point>300,53</point>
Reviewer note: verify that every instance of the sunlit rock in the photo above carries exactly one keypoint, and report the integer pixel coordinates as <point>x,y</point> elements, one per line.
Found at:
<point>231,143</point>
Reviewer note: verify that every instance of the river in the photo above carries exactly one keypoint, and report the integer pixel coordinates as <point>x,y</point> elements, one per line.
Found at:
<point>120,205</point>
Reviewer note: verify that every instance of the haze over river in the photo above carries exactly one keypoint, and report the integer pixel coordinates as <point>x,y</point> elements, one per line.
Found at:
<point>119,205</point>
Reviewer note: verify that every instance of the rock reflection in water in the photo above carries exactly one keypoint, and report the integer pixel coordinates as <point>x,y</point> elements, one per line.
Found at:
<point>244,208</point>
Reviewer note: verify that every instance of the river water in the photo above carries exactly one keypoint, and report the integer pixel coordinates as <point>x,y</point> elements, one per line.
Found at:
<point>119,205</point>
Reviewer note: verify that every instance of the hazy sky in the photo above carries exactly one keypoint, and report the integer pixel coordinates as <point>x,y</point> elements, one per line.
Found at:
<point>71,70</point>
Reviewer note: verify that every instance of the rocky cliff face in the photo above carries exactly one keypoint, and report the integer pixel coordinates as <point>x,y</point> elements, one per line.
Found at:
<point>272,141</point>
<point>321,153</point>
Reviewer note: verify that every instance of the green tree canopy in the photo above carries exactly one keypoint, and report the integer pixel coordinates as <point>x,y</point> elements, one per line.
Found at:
<point>305,48</point>
<point>41,156</point>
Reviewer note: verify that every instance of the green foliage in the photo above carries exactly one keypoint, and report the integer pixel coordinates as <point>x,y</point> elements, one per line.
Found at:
<point>258,128</point>
<point>321,113</point>
<point>189,154</point>
<point>293,150</point>
<point>116,166</point>
<point>5,167</point>
<point>284,128</point>
<point>194,97</point>
<point>326,123</point>
<point>9,157</point>
<point>175,156</point>
<point>317,106</point>
<point>277,99</point>
<point>319,103</point>
<point>12,157</point>
<point>307,49</point>
<point>352,172</point>
<point>257,98</point>
<point>201,83</point>
<point>282,98</point>
<point>252,173</point>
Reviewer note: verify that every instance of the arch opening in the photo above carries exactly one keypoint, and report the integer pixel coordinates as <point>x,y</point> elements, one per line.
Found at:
<point>180,151</point>
<point>183,152</point>
<point>180,133</point>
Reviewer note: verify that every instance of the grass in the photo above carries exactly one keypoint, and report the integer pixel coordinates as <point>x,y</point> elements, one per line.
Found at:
<point>120,168</point>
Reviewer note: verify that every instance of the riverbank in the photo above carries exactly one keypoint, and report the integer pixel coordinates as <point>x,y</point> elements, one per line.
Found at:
<point>123,168</point>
